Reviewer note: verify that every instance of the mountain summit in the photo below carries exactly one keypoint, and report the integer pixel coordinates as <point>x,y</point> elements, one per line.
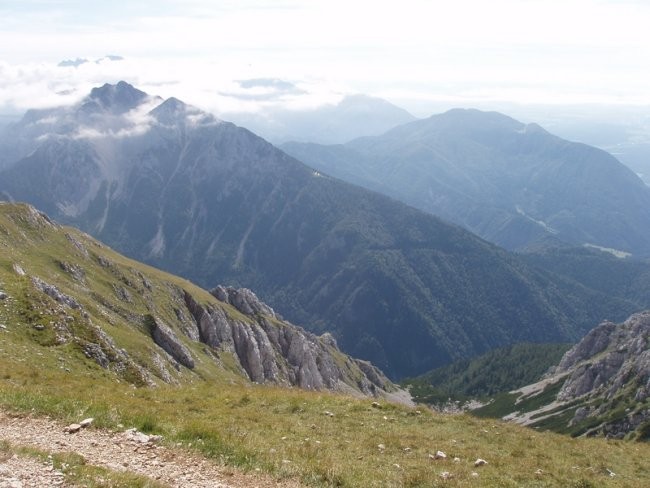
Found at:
<point>117,99</point>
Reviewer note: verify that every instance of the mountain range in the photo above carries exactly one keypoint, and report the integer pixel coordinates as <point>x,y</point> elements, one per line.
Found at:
<point>175,187</point>
<point>511,183</point>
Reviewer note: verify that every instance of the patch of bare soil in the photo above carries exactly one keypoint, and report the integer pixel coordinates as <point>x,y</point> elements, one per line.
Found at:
<point>127,451</point>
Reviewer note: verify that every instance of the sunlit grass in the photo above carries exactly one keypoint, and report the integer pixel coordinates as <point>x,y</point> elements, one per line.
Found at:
<point>287,433</point>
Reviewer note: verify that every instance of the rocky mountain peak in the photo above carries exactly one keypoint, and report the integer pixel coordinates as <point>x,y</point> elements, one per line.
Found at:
<point>116,99</point>
<point>174,112</point>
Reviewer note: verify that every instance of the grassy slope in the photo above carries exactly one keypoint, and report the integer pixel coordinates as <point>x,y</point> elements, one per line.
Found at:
<point>226,418</point>
<point>39,249</point>
<point>261,427</point>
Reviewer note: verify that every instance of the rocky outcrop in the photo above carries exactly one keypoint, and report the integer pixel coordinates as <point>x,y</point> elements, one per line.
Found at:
<point>53,292</point>
<point>603,382</point>
<point>271,350</point>
<point>165,337</point>
<point>609,358</point>
<point>243,300</point>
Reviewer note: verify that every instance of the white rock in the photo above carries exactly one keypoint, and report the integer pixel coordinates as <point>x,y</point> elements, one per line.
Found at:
<point>381,447</point>
<point>456,459</point>
<point>480,462</point>
<point>440,455</point>
<point>86,422</point>
<point>136,436</point>
<point>445,475</point>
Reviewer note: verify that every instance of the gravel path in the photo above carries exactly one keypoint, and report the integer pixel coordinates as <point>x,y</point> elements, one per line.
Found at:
<point>125,451</point>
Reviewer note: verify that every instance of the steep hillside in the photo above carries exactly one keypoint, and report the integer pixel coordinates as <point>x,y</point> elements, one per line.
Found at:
<point>167,184</point>
<point>510,183</point>
<point>599,270</point>
<point>76,305</point>
<point>600,387</point>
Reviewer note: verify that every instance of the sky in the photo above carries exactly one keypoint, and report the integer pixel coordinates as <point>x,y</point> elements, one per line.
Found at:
<point>422,55</point>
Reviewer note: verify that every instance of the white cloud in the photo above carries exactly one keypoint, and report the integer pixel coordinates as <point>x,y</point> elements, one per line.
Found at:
<point>466,51</point>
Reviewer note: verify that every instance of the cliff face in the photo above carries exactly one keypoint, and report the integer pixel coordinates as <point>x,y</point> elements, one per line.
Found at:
<point>609,359</point>
<point>601,386</point>
<point>67,292</point>
<point>269,349</point>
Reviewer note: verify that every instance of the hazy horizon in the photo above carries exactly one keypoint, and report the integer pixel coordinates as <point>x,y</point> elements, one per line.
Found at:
<point>423,56</point>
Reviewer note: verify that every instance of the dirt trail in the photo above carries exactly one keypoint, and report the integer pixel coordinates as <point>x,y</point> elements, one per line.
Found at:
<point>123,451</point>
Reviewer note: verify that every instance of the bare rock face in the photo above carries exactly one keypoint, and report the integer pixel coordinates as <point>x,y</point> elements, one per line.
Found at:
<point>211,322</point>
<point>608,358</point>
<point>271,350</point>
<point>603,381</point>
<point>77,272</point>
<point>53,292</point>
<point>165,337</point>
<point>243,300</point>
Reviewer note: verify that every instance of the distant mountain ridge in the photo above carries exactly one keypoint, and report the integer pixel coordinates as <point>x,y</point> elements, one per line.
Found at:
<point>354,116</point>
<point>511,183</point>
<point>173,186</point>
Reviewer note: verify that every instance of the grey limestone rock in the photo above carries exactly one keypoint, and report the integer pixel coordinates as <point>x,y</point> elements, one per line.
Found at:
<point>270,350</point>
<point>608,358</point>
<point>165,337</point>
<point>76,271</point>
<point>53,292</point>
<point>243,300</point>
